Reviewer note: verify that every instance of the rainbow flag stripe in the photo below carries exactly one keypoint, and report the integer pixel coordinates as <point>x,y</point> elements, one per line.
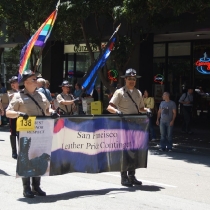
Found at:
<point>38,39</point>
<point>45,33</point>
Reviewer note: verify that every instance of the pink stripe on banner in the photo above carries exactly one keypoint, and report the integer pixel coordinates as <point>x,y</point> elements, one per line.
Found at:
<point>59,125</point>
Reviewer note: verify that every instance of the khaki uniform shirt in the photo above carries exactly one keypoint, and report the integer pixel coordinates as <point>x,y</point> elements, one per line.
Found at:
<point>4,99</point>
<point>11,93</point>
<point>23,103</point>
<point>123,102</point>
<point>68,97</point>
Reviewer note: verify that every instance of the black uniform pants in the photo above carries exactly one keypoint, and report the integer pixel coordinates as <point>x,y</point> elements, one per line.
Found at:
<point>125,174</point>
<point>12,123</point>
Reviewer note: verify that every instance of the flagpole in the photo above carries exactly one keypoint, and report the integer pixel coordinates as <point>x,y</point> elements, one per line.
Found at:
<point>116,30</point>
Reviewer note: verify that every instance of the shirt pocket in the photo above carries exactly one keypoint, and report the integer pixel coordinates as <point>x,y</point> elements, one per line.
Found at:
<point>125,99</point>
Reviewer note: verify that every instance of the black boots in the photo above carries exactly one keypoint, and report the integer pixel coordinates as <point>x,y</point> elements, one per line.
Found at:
<point>36,190</point>
<point>124,179</point>
<point>27,188</point>
<point>13,145</point>
<point>129,180</point>
<point>132,178</point>
<point>134,181</point>
<point>36,187</point>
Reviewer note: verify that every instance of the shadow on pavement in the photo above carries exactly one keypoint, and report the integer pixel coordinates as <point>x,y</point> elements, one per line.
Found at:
<point>189,157</point>
<point>76,194</point>
<point>3,173</point>
<point>4,128</point>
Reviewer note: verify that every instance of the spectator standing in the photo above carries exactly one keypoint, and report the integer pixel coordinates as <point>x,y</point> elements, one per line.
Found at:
<point>2,88</point>
<point>41,88</point>
<point>187,100</point>
<point>95,94</point>
<point>78,94</point>
<point>1,110</point>
<point>149,102</point>
<point>47,84</point>
<point>166,114</point>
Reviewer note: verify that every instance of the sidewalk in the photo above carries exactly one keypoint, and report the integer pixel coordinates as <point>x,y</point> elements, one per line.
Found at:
<point>199,140</point>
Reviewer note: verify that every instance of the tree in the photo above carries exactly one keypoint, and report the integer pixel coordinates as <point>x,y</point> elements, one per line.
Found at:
<point>22,18</point>
<point>87,21</point>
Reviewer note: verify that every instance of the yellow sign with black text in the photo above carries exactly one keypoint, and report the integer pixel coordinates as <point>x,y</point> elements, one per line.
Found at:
<point>25,125</point>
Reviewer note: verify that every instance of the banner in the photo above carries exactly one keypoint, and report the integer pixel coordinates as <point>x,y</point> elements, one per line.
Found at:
<point>87,144</point>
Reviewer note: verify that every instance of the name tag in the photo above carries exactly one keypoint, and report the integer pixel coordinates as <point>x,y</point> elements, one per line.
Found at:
<point>25,125</point>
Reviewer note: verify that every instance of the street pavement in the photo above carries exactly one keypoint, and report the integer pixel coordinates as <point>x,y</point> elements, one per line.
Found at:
<point>173,180</point>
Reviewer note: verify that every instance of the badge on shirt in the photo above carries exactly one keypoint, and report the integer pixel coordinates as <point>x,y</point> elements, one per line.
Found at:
<point>25,125</point>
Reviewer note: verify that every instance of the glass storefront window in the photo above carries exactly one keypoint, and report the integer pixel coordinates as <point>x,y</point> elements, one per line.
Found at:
<point>158,85</point>
<point>159,50</point>
<point>178,76</point>
<point>179,49</point>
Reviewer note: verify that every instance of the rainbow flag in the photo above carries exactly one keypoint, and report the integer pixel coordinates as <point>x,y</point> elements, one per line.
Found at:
<point>38,39</point>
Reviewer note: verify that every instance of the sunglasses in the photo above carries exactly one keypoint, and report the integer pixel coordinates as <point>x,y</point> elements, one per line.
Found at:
<point>131,78</point>
<point>33,80</point>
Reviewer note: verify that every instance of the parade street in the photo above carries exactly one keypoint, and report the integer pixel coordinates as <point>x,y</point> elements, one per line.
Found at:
<point>172,180</point>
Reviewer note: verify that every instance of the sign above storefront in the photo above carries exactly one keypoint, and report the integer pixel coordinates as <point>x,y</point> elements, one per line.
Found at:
<point>203,65</point>
<point>71,48</point>
<point>159,78</point>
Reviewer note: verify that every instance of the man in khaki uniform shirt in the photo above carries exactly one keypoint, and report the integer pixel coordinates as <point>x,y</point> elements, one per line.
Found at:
<point>121,103</point>
<point>15,89</point>
<point>23,105</point>
<point>66,100</point>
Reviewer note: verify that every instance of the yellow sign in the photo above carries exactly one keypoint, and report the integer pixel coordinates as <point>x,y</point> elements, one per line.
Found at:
<point>96,108</point>
<point>25,125</point>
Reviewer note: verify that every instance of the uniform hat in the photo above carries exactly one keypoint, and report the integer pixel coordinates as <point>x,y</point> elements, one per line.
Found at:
<point>26,74</point>
<point>130,73</point>
<point>65,83</point>
<point>13,79</point>
<point>190,87</point>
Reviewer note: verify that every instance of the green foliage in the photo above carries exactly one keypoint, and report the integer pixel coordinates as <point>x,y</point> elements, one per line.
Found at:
<point>81,21</point>
<point>25,16</point>
<point>123,49</point>
<point>11,60</point>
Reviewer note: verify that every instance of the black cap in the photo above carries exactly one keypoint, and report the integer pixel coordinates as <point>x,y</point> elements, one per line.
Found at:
<point>65,83</point>
<point>130,73</point>
<point>13,79</point>
<point>190,88</point>
<point>26,74</point>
